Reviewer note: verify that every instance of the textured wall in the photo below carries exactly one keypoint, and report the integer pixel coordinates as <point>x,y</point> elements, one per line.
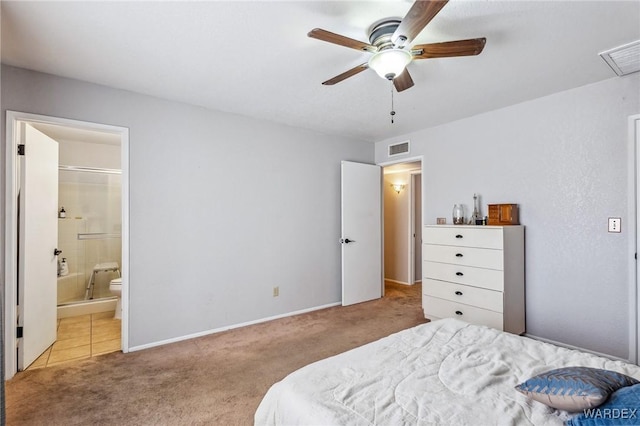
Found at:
<point>564,159</point>
<point>223,208</point>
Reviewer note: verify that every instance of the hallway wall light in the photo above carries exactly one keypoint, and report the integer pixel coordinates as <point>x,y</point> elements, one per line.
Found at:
<point>397,187</point>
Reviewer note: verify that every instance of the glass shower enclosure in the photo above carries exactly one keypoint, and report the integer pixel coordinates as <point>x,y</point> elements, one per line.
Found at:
<point>89,234</point>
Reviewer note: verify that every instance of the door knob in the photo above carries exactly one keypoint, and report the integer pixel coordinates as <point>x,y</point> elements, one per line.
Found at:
<point>347,241</point>
<point>56,251</point>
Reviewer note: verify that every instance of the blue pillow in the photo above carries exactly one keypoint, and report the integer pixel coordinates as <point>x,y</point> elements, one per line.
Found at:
<point>622,408</point>
<point>574,388</point>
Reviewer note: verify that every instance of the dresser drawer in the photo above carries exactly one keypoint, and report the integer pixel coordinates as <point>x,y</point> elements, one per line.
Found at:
<point>476,277</point>
<point>466,236</point>
<point>479,297</point>
<point>436,308</point>
<point>466,256</point>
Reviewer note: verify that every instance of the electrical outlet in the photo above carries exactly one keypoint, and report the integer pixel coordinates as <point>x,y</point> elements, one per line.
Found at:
<point>276,291</point>
<point>615,224</point>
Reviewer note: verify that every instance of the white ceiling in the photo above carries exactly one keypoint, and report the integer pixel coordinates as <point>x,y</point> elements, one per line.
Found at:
<point>254,57</point>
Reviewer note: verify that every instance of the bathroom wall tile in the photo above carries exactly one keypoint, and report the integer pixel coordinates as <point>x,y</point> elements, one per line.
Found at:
<point>83,273</point>
<point>102,292</point>
<point>70,288</point>
<point>80,287</point>
<point>63,290</point>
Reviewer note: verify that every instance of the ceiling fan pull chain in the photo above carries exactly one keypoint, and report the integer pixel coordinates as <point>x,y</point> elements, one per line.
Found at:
<point>392,113</point>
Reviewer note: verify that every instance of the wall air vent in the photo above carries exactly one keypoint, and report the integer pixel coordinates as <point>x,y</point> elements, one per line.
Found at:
<point>624,59</point>
<point>399,148</point>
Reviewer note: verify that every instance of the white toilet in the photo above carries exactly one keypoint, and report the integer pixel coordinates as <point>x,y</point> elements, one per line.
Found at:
<point>115,286</point>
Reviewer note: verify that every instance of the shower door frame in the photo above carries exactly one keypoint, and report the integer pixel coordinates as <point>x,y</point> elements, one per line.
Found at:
<point>12,179</point>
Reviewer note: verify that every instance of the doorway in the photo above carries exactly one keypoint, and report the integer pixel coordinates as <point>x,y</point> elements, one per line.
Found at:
<point>76,140</point>
<point>402,223</point>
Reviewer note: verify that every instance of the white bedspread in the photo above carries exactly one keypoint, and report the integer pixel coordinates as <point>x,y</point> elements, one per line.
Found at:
<point>446,372</point>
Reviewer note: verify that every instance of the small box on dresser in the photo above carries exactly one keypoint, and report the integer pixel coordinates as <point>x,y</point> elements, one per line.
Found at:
<point>476,274</point>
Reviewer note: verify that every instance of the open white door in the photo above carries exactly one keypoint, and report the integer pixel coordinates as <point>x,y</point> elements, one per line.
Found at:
<point>361,233</point>
<point>38,237</point>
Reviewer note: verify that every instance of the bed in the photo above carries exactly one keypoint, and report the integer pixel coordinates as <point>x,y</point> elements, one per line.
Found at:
<point>443,372</point>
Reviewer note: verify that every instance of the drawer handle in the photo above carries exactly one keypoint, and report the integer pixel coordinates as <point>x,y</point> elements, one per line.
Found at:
<point>459,255</point>
<point>458,293</point>
<point>458,236</point>
<point>459,274</point>
<point>458,312</point>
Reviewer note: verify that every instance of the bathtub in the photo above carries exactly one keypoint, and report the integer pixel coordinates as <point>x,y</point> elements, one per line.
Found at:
<point>71,303</point>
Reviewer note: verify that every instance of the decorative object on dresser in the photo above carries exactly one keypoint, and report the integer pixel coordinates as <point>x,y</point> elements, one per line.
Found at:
<point>475,274</point>
<point>476,216</point>
<point>503,214</point>
<point>458,214</point>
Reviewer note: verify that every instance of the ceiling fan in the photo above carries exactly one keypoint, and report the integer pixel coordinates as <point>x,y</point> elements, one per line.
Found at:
<point>389,42</point>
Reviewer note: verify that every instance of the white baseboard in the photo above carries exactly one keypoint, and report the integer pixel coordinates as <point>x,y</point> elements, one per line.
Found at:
<point>577,348</point>
<point>230,327</point>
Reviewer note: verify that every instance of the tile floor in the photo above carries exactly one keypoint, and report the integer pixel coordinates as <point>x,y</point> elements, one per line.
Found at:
<point>82,337</point>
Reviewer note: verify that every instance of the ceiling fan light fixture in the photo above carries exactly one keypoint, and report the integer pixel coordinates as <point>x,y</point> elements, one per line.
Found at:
<point>390,63</point>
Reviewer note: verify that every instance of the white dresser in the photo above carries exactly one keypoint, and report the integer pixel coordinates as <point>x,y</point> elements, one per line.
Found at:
<point>476,274</point>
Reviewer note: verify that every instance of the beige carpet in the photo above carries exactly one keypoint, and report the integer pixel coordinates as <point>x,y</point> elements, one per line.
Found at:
<point>213,380</point>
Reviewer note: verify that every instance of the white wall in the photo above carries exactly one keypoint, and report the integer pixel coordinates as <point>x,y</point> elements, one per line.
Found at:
<point>87,154</point>
<point>223,208</point>
<point>563,159</point>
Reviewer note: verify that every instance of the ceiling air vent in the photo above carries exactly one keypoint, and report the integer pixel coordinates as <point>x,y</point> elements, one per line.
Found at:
<point>624,59</point>
<point>399,148</point>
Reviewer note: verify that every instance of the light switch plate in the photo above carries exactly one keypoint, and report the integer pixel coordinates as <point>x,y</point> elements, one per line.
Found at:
<point>615,224</point>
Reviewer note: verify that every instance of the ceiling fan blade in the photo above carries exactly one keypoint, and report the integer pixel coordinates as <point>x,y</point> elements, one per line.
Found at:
<point>334,38</point>
<point>449,49</point>
<point>403,81</point>
<point>420,14</point>
<point>346,74</point>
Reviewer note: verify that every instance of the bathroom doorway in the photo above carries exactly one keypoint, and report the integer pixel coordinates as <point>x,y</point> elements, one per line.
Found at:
<point>89,218</point>
<point>92,224</point>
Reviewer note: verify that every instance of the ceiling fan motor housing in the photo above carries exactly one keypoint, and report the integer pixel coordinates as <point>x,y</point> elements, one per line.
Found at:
<point>380,35</point>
